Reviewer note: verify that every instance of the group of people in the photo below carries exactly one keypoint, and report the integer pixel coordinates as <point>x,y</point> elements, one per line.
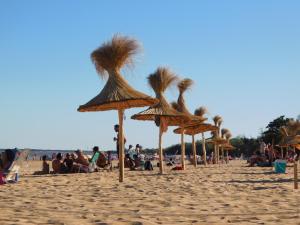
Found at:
<point>135,159</point>
<point>267,154</point>
<point>77,162</point>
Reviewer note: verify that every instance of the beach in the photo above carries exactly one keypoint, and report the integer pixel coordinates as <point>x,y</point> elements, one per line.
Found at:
<point>215,194</point>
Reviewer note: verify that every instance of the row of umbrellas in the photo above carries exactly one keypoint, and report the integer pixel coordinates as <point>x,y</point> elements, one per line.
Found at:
<point>118,95</point>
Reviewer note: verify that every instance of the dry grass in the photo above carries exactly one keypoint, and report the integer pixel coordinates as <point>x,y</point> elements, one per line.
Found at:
<point>228,135</point>
<point>175,106</point>
<point>224,131</point>
<point>217,120</point>
<point>161,79</point>
<point>201,111</point>
<point>184,85</point>
<point>114,54</point>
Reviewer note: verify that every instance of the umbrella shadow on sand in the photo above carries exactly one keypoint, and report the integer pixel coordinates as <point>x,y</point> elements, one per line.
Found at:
<point>281,180</point>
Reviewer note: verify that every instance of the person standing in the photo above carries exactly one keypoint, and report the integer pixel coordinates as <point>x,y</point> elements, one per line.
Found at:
<point>116,139</point>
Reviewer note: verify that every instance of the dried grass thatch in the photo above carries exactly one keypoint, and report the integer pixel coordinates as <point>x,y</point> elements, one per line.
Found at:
<point>201,111</point>
<point>293,127</point>
<point>180,106</point>
<point>228,135</point>
<point>227,146</point>
<point>114,54</point>
<point>160,80</point>
<point>290,134</point>
<point>117,93</point>
<point>217,120</point>
<point>224,131</point>
<point>196,129</point>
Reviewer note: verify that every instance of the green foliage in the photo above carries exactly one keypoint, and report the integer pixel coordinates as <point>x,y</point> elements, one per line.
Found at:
<point>243,145</point>
<point>272,135</point>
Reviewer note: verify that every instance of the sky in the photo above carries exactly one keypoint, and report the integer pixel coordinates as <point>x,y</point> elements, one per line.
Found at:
<point>242,55</point>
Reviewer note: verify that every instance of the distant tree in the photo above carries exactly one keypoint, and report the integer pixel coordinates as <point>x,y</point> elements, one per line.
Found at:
<point>272,135</point>
<point>244,145</point>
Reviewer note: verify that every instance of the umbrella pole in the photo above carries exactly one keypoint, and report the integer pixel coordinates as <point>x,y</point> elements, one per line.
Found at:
<point>215,153</point>
<point>222,149</point>
<point>161,168</point>
<point>121,145</point>
<point>182,151</point>
<point>218,154</point>
<point>204,149</point>
<point>295,173</point>
<point>281,152</point>
<point>227,157</point>
<point>194,150</point>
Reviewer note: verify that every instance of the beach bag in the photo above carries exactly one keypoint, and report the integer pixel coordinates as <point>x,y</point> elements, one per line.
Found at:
<point>280,166</point>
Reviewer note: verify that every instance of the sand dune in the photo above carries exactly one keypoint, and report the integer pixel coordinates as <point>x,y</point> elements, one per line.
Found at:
<point>226,194</point>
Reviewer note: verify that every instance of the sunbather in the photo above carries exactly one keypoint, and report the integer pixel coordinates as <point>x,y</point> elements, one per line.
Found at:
<point>46,168</point>
<point>68,162</point>
<point>81,158</point>
<point>57,165</point>
<point>257,159</point>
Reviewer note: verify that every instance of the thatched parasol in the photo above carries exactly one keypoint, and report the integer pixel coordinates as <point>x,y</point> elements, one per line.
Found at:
<point>197,129</point>
<point>180,106</point>
<point>228,135</point>
<point>117,94</point>
<point>162,113</point>
<point>217,121</point>
<point>228,146</point>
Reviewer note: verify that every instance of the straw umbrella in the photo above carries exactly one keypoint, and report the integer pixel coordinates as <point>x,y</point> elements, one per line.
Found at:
<point>217,121</point>
<point>180,106</point>
<point>224,131</point>
<point>291,137</point>
<point>192,131</point>
<point>117,94</point>
<point>201,111</point>
<point>162,113</point>
<point>228,146</point>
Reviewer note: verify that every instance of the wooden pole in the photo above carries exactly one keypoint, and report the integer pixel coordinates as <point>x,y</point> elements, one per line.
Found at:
<point>218,153</point>
<point>204,149</point>
<point>295,172</point>
<point>215,153</point>
<point>182,151</point>
<point>194,150</point>
<point>281,152</point>
<point>222,150</point>
<point>161,168</point>
<point>121,145</point>
<point>227,157</point>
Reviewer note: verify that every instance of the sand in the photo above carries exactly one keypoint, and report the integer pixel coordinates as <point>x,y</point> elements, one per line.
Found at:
<point>225,194</point>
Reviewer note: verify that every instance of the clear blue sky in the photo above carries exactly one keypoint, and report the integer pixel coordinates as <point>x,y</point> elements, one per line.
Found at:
<point>243,56</point>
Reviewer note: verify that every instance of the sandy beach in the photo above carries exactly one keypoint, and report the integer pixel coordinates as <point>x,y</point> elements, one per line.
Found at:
<point>225,194</point>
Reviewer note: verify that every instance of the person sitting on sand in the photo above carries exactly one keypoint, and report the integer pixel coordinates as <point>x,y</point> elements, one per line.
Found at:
<point>57,164</point>
<point>46,167</point>
<point>81,158</point>
<point>68,162</point>
<point>102,162</point>
<point>257,159</point>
